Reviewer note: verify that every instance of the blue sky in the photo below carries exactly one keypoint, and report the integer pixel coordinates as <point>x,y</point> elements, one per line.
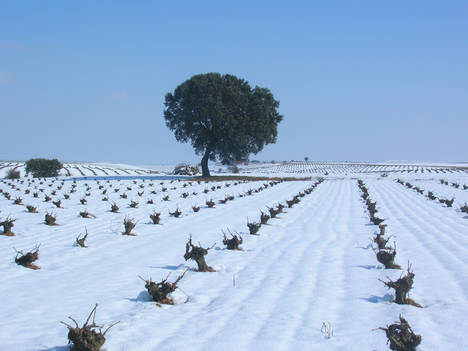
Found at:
<point>356,80</point>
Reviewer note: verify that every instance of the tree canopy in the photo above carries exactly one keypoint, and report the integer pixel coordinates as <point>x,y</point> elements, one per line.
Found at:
<point>222,117</point>
<point>40,167</point>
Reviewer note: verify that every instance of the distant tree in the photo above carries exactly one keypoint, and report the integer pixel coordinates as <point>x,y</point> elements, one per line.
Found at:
<point>306,159</point>
<point>41,167</point>
<point>222,116</point>
<point>13,174</point>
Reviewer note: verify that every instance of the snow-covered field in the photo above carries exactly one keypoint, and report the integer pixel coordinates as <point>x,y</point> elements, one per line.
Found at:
<point>89,169</point>
<point>312,264</point>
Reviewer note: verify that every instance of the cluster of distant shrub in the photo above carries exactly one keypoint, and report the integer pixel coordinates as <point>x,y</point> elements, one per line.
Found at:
<point>13,174</point>
<point>184,169</point>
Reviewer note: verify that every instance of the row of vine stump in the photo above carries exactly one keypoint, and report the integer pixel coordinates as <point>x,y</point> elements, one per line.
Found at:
<point>128,223</point>
<point>399,334</point>
<point>430,195</point>
<point>90,336</point>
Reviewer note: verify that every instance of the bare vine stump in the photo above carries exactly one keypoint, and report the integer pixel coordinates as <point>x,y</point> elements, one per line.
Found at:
<point>155,217</point>
<point>89,337</point>
<point>133,204</point>
<point>7,225</point>
<point>159,291</point>
<point>86,214</point>
<point>18,201</point>
<point>26,260</point>
<point>273,212</point>
<point>114,208</point>
<point>376,220</point>
<point>379,239</point>
<point>210,203</point>
<point>431,195</point>
<point>253,227</point>
<point>31,209</point>
<point>387,257</point>
<point>50,219</point>
<point>81,241</point>
<point>401,337</point>
<point>198,253</point>
<point>234,242</point>
<point>264,218</point>
<point>176,213</point>
<point>129,224</point>
<point>196,208</point>
<point>402,286</point>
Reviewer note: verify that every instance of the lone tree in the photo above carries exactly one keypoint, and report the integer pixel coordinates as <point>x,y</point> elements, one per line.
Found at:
<point>41,167</point>
<point>222,116</point>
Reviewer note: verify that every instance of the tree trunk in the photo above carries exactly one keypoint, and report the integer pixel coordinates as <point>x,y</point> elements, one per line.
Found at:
<point>204,163</point>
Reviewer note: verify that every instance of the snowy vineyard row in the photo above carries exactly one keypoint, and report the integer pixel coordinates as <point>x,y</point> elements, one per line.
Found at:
<point>91,336</point>
<point>82,170</point>
<point>316,168</point>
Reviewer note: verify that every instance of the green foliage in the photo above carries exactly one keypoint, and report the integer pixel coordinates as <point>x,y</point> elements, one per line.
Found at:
<point>41,167</point>
<point>13,174</point>
<point>222,117</point>
<point>234,169</point>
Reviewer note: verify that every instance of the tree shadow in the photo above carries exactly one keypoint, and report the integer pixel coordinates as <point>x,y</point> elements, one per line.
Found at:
<point>56,348</point>
<point>369,246</point>
<point>170,267</point>
<point>143,296</point>
<point>370,266</point>
<point>378,299</point>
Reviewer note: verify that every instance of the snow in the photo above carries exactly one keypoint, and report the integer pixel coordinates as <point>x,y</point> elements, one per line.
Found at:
<point>313,264</point>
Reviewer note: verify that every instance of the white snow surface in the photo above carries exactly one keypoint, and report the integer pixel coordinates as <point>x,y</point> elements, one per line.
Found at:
<point>312,264</point>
